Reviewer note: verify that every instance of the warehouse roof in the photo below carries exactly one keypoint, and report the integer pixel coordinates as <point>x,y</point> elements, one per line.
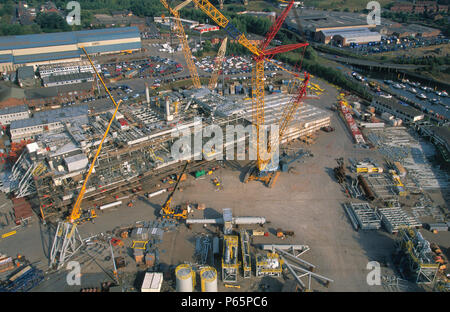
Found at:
<point>21,59</point>
<point>66,38</point>
<point>38,93</point>
<point>396,105</point>
<point>68,77</point>
<point>114,47</point>
<point>51,116</point>
<point>13,110</point>
<point>25,72</point>
<point>442,132</point>
<point>6,58</point>
<point>352,32</point>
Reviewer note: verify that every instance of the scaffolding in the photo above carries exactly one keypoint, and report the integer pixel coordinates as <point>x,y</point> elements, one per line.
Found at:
<point>395,218</point>
<point>246,259</point>
<point>362,216</point>
<point>230,264</point>
<point>414,257</point>
<point>383,186</point>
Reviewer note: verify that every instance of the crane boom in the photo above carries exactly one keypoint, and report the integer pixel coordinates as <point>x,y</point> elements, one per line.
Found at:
<point>218,62</point>
<point>76,211</point>
<point>182,35</point>
<point>260,54</point>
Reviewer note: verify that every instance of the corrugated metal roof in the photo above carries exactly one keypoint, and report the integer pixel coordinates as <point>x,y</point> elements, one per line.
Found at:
<point>37,40</point>
<point>50,116</point>
<point>22,59</point>
<point>349,32</point>
<point>65,38</point>
<point>109,33</point>
<point>13,110</point>
<point>68,77</point>
<point>6,58</point>
<point>114,47</point>
<point>25,72</point>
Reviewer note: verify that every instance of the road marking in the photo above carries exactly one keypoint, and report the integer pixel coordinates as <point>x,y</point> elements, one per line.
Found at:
<point>8,234</point>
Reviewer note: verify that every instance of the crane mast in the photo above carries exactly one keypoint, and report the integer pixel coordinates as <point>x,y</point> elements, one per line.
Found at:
<point>182,35</point>
<point>217,65</point>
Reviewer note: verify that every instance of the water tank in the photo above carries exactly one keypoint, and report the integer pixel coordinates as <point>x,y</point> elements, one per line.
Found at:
<point>185,278</point>
<point>208,277</point>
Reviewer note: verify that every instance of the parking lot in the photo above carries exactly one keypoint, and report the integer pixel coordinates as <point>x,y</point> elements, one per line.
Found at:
<point>392,43</point>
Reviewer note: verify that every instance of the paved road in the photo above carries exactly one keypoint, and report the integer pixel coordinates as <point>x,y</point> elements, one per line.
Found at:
<point>367,63</point>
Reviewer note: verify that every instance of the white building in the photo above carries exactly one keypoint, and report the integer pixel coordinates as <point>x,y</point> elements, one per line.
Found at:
<point>47,121</point>
<point>9,114</point>
<point>390,105</point>
<point>67,68</point>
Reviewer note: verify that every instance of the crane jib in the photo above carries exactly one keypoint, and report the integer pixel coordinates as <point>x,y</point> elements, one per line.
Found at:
<point>233,31</point>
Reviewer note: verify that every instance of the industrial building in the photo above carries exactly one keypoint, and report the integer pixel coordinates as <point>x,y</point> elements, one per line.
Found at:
<point>49,48</point>
<point>383,104</point>
<point>10,114</point>
<point>59,80</point>
<point>67,68</point>
<point>47,121</point>
<point>25,76</point>
<point>315,21</point>
<point>345,37</point>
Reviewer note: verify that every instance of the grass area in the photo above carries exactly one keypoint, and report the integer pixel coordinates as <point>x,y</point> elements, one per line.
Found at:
<point>437,50</point>
<point>350,5</point>
<point>252,6</point>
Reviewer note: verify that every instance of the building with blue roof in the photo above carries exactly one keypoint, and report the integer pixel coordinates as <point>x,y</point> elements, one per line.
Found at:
<point>50,48</point>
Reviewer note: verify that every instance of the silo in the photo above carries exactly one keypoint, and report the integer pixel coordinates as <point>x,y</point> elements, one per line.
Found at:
<point>208,277</point>
<point>185,278</point>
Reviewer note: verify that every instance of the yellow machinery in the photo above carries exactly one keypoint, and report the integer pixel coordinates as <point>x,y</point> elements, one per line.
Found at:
<point>67,240</point>
<point>230,264</point>
<point>78,215</point>
<point>182,35</point>
<point>269,265</point>
<point>218,64</point>
<point>260,54</point>
<point>178,213</point>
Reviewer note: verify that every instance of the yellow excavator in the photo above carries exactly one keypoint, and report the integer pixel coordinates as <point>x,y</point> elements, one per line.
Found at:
<point>179,213</point>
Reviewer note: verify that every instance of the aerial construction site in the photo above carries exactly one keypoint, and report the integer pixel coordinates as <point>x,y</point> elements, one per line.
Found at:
<point>186,180</point>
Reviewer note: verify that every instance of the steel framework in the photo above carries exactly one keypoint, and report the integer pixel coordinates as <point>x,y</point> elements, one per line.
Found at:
<point>182,36</point>
<point>246,259</point>
<point>218,64</point>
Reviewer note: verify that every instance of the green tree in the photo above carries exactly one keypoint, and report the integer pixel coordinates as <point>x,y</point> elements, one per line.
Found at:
<point>51,22</point>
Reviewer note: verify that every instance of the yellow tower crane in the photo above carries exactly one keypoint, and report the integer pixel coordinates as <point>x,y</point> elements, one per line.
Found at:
<point>67,240</point>
<point>182,35</point>
<point>218,64</point>
<point>260,54</point>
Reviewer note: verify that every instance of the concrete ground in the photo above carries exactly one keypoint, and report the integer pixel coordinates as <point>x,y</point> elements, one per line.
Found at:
<point>306,201</point>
